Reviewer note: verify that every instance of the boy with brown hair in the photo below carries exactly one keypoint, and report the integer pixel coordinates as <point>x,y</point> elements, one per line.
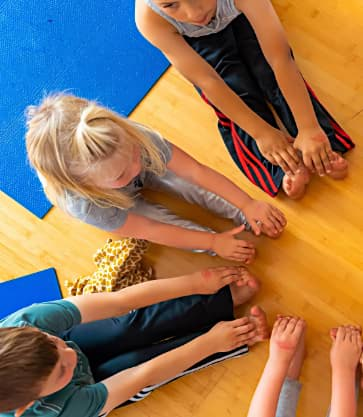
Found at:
<point>85,355</point>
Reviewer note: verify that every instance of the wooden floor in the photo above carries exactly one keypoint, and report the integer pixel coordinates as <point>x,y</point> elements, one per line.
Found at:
<point>313,270</point>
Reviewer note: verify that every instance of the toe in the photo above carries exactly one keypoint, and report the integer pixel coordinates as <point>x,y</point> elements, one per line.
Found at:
<point>254,283</point>
<point>257,312</point>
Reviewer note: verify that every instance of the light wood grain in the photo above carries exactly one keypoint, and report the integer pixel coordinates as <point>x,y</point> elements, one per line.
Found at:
<point>313,270</point>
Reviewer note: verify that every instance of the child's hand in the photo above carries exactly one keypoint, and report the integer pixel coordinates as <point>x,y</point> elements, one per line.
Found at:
<point>263,217</point>
<point>285,338</point>
<point>227,246</point>
<point>346,349</point>
<point>228,335</point>
<point>277,149</point>
<point>316,150</point>
<point>211,280</point>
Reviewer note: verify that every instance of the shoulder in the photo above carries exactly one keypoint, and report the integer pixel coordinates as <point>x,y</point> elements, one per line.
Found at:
<point>105,218</point>
<point>253,6</point>
<point>52,317</point>
<point>77,206</point>
<point>73,400</point>
<point>239,4</point>
<point>164,147</point>
<point>150,24</point>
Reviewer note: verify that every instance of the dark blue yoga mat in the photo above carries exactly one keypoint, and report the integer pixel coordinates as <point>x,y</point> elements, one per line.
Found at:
<point>22,292</point>
<point>89,47</point>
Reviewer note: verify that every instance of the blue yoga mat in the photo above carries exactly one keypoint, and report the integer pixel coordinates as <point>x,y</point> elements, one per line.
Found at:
<point>90,48</point>
<point>22,292</point>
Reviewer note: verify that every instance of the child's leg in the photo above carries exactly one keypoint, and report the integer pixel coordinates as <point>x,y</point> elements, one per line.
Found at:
<point>164,215</point>
<point>278,388</point>
<point>289,398</point>
<point>252,55</point>
<point>116,344</point>
<point>138,356</point>
<point>358,375</point>
<point>291,388</point>
<point>142,355</point>
<point>171,183</point>
<point>221,52</point>
<point>105,339</point>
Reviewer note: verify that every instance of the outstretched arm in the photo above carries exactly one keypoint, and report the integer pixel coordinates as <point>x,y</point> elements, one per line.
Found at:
<point>105,305</point>
<point>222,337</point>
<point>256,212</point>
<point>311,140</point>
<point>272,142</point>
<point>223,244</point>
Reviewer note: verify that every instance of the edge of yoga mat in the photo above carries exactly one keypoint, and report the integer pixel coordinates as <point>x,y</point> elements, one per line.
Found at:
<point>29,289</point>
<point>87,48</point>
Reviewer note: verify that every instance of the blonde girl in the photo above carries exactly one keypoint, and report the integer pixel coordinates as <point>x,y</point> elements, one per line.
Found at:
<point>93,163</point>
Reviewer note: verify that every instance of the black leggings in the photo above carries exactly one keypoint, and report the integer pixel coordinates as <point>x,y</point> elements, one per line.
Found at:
<point>116,344</point>
<point>236,55</point>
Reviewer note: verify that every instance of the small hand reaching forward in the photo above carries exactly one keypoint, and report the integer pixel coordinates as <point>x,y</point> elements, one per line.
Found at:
<point>227,246</point>
<point>264,218</point>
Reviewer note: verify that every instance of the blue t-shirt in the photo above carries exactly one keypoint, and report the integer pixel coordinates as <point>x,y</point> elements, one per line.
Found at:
<point>81,397</point>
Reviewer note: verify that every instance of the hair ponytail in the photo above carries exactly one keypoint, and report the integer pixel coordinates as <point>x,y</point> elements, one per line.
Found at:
<point>68,136</point>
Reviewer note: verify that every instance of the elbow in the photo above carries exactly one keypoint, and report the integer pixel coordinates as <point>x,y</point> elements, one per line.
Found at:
<point>144,374</point>
<point>283,62</point>
<point>208,82</point>
<point>196,173</point>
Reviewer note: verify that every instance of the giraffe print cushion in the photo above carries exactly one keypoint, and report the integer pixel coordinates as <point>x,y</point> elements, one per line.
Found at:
<point>119,265</point>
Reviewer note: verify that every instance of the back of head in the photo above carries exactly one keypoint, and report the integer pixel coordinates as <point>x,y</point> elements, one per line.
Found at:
<point>27,358</point>
<point>67,137</point>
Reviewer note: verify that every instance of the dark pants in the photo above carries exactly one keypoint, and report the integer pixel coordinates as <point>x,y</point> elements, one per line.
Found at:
<point>237,57</point>
<point>119,343</point>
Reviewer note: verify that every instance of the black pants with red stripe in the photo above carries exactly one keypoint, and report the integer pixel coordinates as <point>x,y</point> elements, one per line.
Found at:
<point>237,57</point>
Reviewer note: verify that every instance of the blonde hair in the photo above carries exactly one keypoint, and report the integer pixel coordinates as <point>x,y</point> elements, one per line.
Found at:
<point>68,136</point>
<point>27,358</point>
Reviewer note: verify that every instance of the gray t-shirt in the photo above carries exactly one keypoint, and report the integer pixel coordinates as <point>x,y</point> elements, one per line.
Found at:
<point>226,12</point>
<point>111,218</point>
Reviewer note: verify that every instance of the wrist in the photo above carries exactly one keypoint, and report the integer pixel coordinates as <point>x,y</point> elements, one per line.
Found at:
<point>308,125</point>
<point>208,344</point>
<point>197,282</point>
<point>212,241</point>
<point>263,133</point>
<point>246,203</point>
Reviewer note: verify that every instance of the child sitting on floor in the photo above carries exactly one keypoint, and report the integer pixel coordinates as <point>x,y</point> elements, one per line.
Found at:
<point>94,163</point>
<point>236,53</point>
<point>85,355</point>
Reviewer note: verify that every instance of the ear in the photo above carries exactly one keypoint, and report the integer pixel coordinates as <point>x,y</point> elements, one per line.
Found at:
<point>21,410</point>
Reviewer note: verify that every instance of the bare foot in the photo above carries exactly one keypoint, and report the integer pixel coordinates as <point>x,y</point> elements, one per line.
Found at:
<point>295,185</point>
<point>287,344</point>
<point>258,317</point>
<point>243,290</point>
<point>298,358</point>
<point>339,167</point>
<point>334,330</point>
<point>333,335</point>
